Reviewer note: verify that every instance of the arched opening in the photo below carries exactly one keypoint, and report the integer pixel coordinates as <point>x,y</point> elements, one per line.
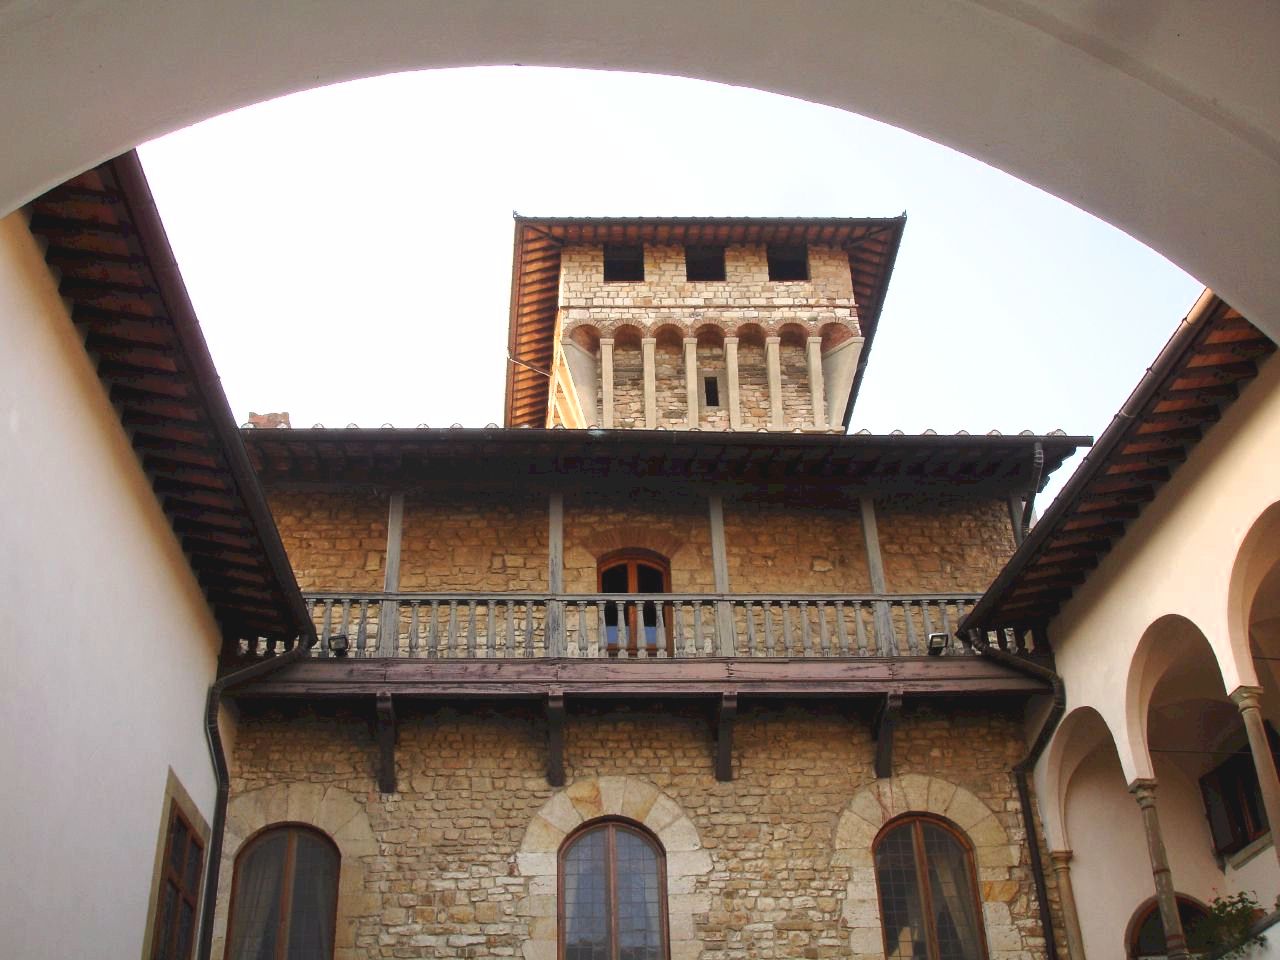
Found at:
<point>639,627</point>
<point>628,377</point>
<point>713,384</point>
<point>613,893</point>
<point>928,890</point>
<point>753,377</point>
<point>797,402</point>
<point>669,380</point>
<point>284,896</point>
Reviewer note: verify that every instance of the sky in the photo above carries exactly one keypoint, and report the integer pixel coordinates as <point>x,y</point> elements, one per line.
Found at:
<point>348,249</point>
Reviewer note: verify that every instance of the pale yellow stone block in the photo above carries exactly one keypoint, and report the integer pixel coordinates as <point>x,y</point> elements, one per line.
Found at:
<point>612,790</point>
<point>560,812</point>
<point>853,832</point>
<point>914,789</point>
<point>679,835</point>
<point>533,949</point>
<point>686,949</point>
<point>638,799</point>
<point>543,836</point>
<point>663,811</point>
<point>337,809</point>
<point>693,862</point>
<point>304,802</point>
<point>866,804</point>
<point>533,863</point>
<point>585,795</point>
<point>965,810</point>
<point>892,799</point>
<point>940,794</point>
<point>987,833</point>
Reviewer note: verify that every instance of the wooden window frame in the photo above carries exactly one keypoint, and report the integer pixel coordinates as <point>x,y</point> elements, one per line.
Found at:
<point>291,830</point>
<point>612,825</point>
<point>1244,828</point>
<point>159,940</point>
<point>630,556</point>
<point>916,821</point>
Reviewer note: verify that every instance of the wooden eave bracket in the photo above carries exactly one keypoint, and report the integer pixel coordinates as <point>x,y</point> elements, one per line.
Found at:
<point>555,738</point>
<point>886,720</point>
<point>385,731</point>
<point>726,714</point>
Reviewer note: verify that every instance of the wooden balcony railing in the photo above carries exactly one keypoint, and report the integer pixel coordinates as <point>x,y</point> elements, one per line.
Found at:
<point>635,626</point>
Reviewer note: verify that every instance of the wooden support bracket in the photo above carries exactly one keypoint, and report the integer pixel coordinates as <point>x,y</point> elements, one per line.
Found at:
<point>727,713</point>
<point>555,738</point>
<point>882,729</point>
<point>385,733</point>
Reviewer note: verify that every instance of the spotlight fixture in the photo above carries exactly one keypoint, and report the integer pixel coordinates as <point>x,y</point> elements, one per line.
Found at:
<point>938,643</point>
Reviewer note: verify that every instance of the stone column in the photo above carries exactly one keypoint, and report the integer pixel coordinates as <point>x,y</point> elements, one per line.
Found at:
<point>647,347</point>
<point>606,382</point>
<point>691,378</point>
<point>1070,918</point>
<point>1264,764</point>
<point>731,374</point>
<point>1144,791</point>
<point>817,391</point>
<point>773,363</point>
<point>389,621</point>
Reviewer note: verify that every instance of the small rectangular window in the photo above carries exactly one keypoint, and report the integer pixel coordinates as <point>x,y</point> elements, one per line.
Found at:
<point>788,261</point>
<point>179,890</point>
<point>703,262</point>
<point>623,262</point>
<point>711,391</point>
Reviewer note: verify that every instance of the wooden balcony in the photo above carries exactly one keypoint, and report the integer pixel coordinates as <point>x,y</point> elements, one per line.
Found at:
<point>506,626</point>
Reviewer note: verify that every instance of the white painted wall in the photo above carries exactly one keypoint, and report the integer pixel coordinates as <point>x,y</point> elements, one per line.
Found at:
<point>106,646</point>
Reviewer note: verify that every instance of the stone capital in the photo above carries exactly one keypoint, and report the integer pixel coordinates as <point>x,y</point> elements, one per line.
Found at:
<point>1061,859</point>
<point>1246,697</point>
<point>1144,791</point>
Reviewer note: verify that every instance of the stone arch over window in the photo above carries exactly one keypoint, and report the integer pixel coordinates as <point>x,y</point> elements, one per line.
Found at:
<point>597,798</point>
<point>330,809</point>
<point>284,895</point>
<point>995,858</point>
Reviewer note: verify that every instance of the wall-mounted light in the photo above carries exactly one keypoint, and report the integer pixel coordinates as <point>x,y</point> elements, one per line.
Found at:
<point>339,645</point>
<point>938,643</point>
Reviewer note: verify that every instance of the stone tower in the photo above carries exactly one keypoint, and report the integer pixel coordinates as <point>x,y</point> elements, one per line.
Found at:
<point>737,324</point>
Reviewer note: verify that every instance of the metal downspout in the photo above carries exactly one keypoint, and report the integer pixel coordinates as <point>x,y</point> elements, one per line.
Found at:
<point>1023,767</point>
<point>213,703</point>
<point>1037,471</point>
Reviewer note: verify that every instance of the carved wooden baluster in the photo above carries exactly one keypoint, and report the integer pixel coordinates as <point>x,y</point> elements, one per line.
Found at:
<point>748,609</point>
<point>344,630</point>
<point>415,640</point>
<point>842,629</point>
<point>528,629</point>
<point>623,638</point>
<point>859,628</point>
<point>677,623</point>
<point>786,628</point>
<point>490,634</point>
<point>326,628</point>
<point>805,645</point>
<point>928,622</point>
<point>709,646</point>
<point>362,629</point>
<point>471,630</point>
<point>599,648</point>
<point>946,624</point>
<point>452,642</point>
<point>824,637</point>
<point>913,644</point>
<point>311,610</point>
<point>578,648</point>
<point>660,631</point>
<point>509,643</point>
<point>766,611</point>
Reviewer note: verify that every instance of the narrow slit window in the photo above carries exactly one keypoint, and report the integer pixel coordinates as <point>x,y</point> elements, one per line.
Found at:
<point>179,902</point>
<point>788,261</point>
<point>711,391</point>
<point>623,262</point>
<point>702,263</point>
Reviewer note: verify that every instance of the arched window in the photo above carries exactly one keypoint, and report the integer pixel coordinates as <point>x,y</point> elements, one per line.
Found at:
<point>635,571</point>
<point>284,896</point>
<point>1146,933</point>
<point>928,892</point>
<point>613,894</point>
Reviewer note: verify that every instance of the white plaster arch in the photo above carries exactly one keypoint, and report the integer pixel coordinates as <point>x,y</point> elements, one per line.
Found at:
<point>1082,731</point>
<point>1113,107</point>
<point>996,858</point>
<point>1258,555</point>
<point>630,798</point>
<point>330,809</point>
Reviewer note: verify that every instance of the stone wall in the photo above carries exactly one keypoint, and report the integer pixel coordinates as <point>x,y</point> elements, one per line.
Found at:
<point>930,544</point>
<point>460,862</point>
<point>336,541</point>
<point>939,543</point>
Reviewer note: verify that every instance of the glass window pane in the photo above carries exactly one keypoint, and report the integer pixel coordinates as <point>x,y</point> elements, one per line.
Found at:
<point>255,908</point>
<point>186,926</point>
<point>177,846</point>
<point>586,892</point>
<point>901,912</point>
<point>639,916</point>
<point>164,932</point>
<point>191,882</point>
<point>315,891</point>
<point>952,895</point>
